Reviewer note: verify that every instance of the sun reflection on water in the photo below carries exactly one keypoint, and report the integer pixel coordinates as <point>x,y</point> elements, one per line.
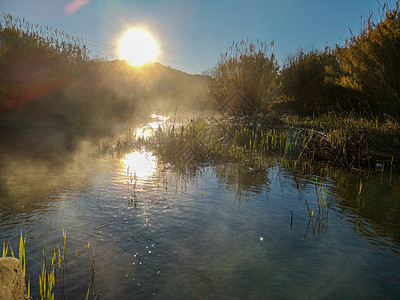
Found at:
<point>148,130</point>
<point>140,164</point>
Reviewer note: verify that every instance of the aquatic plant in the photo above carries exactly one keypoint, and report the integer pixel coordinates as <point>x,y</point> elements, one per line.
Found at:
<point>341,140</point>
<point>52,275</point>
<point>21,256</point>
<point>318,218</point>
<point>34,59</point>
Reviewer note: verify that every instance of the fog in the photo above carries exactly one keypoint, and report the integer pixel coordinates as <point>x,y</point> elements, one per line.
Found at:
<point>53,134</point>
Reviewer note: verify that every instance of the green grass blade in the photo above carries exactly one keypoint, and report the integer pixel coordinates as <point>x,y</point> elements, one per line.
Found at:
<point>21,254</point>
<point>5,249</point>
<point>11,249</point>
<point>88,290</point>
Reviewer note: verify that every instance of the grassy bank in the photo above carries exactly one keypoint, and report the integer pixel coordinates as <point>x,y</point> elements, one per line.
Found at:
<point>344,141</point>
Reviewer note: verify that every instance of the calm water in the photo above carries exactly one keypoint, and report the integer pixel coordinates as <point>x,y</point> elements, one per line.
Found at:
<point>211,232</point>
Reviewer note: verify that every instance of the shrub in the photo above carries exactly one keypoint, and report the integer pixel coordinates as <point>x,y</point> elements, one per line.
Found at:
<point>244,79</point>
<point>370,62</point>
<point>303,84</point>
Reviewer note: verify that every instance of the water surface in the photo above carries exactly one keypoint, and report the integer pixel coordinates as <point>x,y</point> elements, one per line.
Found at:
<point>209,231</point>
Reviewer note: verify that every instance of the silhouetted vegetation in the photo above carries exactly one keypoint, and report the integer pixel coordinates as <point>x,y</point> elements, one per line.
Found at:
<point>361,77</point>
<point>248,71</point>
<point>345,141</point>
<point>370,62</point>
<point>304,87</point>
<point>351,90</point>
<point>53,92</point>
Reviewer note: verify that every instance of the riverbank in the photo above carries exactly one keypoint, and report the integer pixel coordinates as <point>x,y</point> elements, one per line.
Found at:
<point>337,140</point>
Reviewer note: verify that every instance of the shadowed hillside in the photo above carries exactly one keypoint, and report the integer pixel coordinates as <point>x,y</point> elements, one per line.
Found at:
<point>53,93</point>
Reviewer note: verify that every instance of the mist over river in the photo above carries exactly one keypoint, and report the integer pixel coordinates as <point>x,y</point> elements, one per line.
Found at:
<point>139,228</point>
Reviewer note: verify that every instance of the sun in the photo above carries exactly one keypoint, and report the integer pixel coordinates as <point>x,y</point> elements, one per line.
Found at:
<point>138,47</point>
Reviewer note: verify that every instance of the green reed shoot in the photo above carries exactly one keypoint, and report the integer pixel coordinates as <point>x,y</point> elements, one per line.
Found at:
<point>11,249</point>
<point>21,256</point>
<point>22,242</point>
<point>5,249</point>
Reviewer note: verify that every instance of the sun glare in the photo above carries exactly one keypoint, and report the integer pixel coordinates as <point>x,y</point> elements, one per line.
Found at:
<point>138,47</point>
<point>141,164</point>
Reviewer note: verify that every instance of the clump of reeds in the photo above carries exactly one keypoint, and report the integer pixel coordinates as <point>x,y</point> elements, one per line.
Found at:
<point>348,140</point>
<point>246,69</point>
<point>220,139</point>
<point>361,76</point>
<point>21,256</point>
<point>50,275</point>
<point>34,59</point>
<point>341,140</point>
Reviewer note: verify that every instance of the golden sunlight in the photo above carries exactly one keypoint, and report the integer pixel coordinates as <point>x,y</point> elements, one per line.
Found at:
<point>138,47</point>
<point>149,130</point>
<point>141,164</point>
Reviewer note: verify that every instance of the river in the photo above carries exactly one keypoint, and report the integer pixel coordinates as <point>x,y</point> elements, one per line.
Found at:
<point>139,228</point>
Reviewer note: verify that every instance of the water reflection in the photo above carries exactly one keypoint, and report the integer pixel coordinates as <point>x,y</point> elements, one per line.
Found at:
<point>370,204</point>
<point>140,164</point>
<point>149,129</point>
<point>247,183</point>
<point>221,230</point>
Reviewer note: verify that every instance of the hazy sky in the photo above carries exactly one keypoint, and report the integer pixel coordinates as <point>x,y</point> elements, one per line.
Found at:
<point>192,34</point>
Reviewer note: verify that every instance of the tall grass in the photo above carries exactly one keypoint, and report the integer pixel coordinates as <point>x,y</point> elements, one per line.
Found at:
<point>34,59</point>
<point>246,69</point>
<point>370,61</point>
<point>21,256</point>
<point>334,139</point>
<point>361,77</point>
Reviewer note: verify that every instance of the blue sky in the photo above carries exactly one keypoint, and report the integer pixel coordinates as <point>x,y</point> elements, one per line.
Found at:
<point>192,34</point>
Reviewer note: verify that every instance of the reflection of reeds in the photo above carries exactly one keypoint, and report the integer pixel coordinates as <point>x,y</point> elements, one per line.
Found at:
<point>318,219</point>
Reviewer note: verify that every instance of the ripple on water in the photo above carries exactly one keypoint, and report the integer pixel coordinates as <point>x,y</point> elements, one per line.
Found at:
<point>213,233</point>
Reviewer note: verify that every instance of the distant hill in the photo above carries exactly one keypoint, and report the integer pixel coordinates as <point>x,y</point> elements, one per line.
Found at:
<point>53,93</point>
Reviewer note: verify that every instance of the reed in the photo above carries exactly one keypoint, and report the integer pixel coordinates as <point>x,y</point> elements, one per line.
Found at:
<point>303,85</point>
<point>339,140</point>
<point>246,69</point>
<point>51,275</point>
<point>359,77</point>
<point>318,217</point>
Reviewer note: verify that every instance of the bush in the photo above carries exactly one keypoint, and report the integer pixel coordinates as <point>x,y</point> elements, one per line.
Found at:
<point>370,62</point>
<point>304,87</point>
<point>243,81</point>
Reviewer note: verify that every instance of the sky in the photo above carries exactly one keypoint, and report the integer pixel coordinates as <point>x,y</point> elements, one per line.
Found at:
<point>192,34</point>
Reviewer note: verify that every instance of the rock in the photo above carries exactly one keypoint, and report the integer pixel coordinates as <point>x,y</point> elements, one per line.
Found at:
<point>12,281</point>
